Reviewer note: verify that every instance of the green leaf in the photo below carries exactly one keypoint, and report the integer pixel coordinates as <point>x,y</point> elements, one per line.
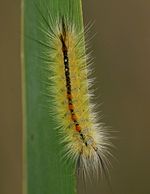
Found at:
<point>45,171</point>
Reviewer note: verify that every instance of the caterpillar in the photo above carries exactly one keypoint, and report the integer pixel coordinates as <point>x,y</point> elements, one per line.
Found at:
<point>85,138</point>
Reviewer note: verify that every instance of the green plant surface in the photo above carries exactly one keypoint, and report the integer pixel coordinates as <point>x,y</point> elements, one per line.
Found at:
<point>45,171</point>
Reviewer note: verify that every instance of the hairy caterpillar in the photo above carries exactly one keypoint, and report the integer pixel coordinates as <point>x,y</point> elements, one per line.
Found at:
<point>86,141</point>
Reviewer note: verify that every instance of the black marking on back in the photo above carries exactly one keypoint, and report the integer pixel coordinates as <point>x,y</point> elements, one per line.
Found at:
<point>63,37</point>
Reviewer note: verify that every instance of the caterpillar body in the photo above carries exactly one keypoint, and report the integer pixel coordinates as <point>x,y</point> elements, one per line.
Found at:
<point>86,141</point>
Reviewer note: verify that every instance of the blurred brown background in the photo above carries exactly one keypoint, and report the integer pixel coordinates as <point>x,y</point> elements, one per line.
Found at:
<point>10,98</point>
<point>122,57</point>
<point>121,49</point>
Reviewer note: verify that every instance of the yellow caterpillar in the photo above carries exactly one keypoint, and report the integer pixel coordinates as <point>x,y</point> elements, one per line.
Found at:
<point>86,141</point>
